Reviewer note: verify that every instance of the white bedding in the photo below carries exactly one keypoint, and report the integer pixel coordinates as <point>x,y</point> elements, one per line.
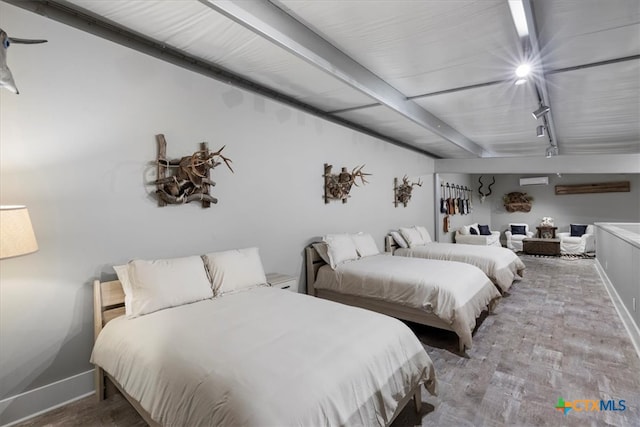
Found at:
<point>501,265</point>
<point>455,292</point>
<point>265,357</point>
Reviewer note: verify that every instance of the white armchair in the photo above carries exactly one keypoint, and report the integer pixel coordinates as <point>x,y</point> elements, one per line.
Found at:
<point>577,244</point>
<point>464,236</point>
<point>514,241</point>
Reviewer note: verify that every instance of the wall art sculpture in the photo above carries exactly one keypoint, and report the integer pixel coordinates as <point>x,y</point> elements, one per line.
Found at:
<point>186,179</point>
<point>402,192</point>
<point>338,185</point>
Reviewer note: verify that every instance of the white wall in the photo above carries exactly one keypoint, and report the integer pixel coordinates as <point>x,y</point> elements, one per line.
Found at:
<point>77,147</point>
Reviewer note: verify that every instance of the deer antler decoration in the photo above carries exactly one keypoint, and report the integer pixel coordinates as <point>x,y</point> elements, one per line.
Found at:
<point>188,177</point>
<point>6,78</point>
<point>337,186</point>
<point>403,191</point>
<point>482,195</point>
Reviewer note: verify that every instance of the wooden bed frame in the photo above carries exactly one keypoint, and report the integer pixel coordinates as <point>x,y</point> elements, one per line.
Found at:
<point>108,303</point>
<point>313,264</point>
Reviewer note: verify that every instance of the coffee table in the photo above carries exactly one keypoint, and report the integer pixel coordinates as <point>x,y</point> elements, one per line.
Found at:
<point>535,246</point>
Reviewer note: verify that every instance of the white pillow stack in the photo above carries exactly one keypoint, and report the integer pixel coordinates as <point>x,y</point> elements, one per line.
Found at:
<point>424,233</point>
<point>340,248</point>
<point>154,285</point>
<point>235,270</point>
<point>158,284</point>
<point>365,244</point>
<point>412,236</point>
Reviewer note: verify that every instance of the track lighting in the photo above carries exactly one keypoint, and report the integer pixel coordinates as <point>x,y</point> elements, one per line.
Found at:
<point>540,131</point>
<point>541,111</point>
<point>552,150</point>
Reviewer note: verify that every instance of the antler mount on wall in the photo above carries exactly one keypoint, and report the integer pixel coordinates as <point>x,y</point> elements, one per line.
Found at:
<point>186,179</point>
<point>337,186</point>
<point>402,192</point>
<point>483,195</point>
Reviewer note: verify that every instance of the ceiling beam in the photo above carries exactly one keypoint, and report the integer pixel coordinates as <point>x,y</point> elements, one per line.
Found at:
<point>497,82</point>
<point>275,25</point>
<point>84,20</point>
<point>539,78</point>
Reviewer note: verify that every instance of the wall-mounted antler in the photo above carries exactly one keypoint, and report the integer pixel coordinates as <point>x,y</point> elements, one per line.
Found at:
<point>482,195</point>
<point>403,191</point>
<point>6,78</point>
<point>358,173</point>
<point>188,177</point>
<point>337,186</point>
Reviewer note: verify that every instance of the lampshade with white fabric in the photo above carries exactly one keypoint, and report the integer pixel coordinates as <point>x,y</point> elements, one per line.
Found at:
<point>16,232</point>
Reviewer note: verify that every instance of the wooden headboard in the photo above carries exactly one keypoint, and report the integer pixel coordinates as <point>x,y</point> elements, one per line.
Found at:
<point>108,303</point>
<point>313,263</point>
<point>390,245</point>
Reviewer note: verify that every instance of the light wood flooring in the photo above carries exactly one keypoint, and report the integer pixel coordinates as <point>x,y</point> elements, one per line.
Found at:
<point>556,335</point>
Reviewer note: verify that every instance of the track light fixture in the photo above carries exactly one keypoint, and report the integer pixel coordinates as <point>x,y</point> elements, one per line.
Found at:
<point>540,131</point>
<point>552,150</point>
<point>541,111</point>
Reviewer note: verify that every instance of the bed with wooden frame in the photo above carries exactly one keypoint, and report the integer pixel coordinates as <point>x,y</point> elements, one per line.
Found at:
<point>109,305</point>
<point>501,265</point>
<point>314,263</point>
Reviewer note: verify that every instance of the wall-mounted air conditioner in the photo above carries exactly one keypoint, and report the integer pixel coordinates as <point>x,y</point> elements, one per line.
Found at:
<point>536,180</point>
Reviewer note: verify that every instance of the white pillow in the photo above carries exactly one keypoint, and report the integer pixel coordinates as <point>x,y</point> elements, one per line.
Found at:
<point>322,249</point>
<point>340,248</point>
<point>466,229</point>
<point>412,236</point>
<point>235,270</point>
<point>424,233</point>
<point>365,244</point>
<point>165,283</point>
<point>123,276</point>
<point>399,239</point>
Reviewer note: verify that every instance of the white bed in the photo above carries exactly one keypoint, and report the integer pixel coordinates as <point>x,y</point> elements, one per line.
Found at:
<point>443,294</point>
<point>258,357</point>
<point>501,265</point>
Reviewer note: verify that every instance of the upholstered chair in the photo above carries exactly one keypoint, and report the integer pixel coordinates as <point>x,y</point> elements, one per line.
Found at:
<point>577,244</point>
<point>514,240</point>
<point>465,236</point>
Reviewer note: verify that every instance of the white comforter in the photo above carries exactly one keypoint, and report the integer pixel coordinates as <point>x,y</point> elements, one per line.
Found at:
<point>501,265</point>
<point>455,292</point>
<point>265,357</point>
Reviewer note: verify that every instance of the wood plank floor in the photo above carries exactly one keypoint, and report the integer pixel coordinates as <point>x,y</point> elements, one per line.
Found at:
<point>556,335</point>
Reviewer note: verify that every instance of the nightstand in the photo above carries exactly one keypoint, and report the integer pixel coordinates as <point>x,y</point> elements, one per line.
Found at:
<point>282,281</point>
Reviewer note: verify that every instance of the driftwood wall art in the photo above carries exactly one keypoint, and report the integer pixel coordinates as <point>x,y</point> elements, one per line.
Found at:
<point>517,202</point>
<point>337,186</point>
<point>186,179</point>
<point>402,192</point>
<point>606,187</point>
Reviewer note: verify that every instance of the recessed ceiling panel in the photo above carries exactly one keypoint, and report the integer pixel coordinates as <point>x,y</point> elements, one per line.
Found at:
<point>497,117</point>
<point>199,31</point>
<point>586,31</point>
<point>388,122</point>
<point>597,110</point>
<point>418,46</point>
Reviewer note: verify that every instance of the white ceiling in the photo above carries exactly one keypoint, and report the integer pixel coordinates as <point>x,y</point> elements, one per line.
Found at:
<point>451,62</point>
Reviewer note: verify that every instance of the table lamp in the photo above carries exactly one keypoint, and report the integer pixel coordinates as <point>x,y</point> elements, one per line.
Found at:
<point>16,233</point>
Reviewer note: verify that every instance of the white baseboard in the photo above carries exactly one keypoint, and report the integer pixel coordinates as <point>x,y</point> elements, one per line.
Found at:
<point>623,312</point>
<point>43,399</point>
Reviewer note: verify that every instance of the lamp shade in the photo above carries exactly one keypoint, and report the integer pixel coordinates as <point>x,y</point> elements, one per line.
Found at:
<point>16,233</point>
